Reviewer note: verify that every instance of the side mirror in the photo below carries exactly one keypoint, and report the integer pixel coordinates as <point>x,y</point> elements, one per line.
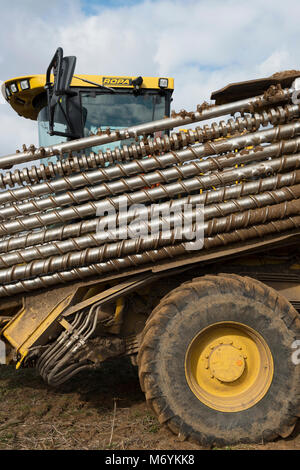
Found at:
<point>64,78</point>
<point>63,70</point>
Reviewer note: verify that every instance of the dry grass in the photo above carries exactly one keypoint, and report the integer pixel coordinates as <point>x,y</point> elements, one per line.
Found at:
<point>102,409</point>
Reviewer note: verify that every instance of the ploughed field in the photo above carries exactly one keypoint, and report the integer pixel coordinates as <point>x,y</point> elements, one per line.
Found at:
<point>103,409</point>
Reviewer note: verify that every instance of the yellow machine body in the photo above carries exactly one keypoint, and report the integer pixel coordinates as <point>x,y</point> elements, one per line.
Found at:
<point>24,102</point>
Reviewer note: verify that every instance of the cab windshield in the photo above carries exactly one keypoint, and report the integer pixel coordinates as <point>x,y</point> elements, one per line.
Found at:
<point>113,110</point>
<point>117,110</point>
<point>45,140</point>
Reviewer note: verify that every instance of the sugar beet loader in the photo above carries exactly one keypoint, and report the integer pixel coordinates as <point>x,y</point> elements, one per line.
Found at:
<point>212,321</point>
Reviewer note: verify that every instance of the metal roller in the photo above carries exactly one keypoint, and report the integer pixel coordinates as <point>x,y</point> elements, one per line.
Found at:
<point>248,180</point>
<point>66,231</point>
<point>148,146</point>
<point>205,182</point>
<point>148,257</point>
<point>152,242</point>
<point>101,237</point>
<point>181,119</point>
<point>92,191</point>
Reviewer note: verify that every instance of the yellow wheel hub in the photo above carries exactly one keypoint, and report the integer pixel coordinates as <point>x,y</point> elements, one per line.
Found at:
<point>226,363</point>
<point>229,366</point>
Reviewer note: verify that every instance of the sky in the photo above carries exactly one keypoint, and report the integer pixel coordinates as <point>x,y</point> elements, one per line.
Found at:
<point>202,44</point>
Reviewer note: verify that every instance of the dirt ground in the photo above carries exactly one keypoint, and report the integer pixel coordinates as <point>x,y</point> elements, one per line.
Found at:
<point>96,410</point>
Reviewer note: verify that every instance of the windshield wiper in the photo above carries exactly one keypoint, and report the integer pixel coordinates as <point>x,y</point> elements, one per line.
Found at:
<point>97,84</point>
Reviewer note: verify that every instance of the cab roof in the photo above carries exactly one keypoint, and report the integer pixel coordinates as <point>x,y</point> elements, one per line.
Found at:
<point>27,103</point>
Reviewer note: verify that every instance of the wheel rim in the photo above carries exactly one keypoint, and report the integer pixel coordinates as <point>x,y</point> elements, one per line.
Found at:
<point>229,366</point>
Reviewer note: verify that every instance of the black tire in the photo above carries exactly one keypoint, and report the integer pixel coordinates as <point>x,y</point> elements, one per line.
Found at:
<point>172,326</point>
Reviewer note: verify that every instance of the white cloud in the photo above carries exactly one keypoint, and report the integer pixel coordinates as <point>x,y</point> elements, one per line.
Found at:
<point>2,99</point>
<point>278,60</point>
<point>203,44</point>
<point>15,131</point>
